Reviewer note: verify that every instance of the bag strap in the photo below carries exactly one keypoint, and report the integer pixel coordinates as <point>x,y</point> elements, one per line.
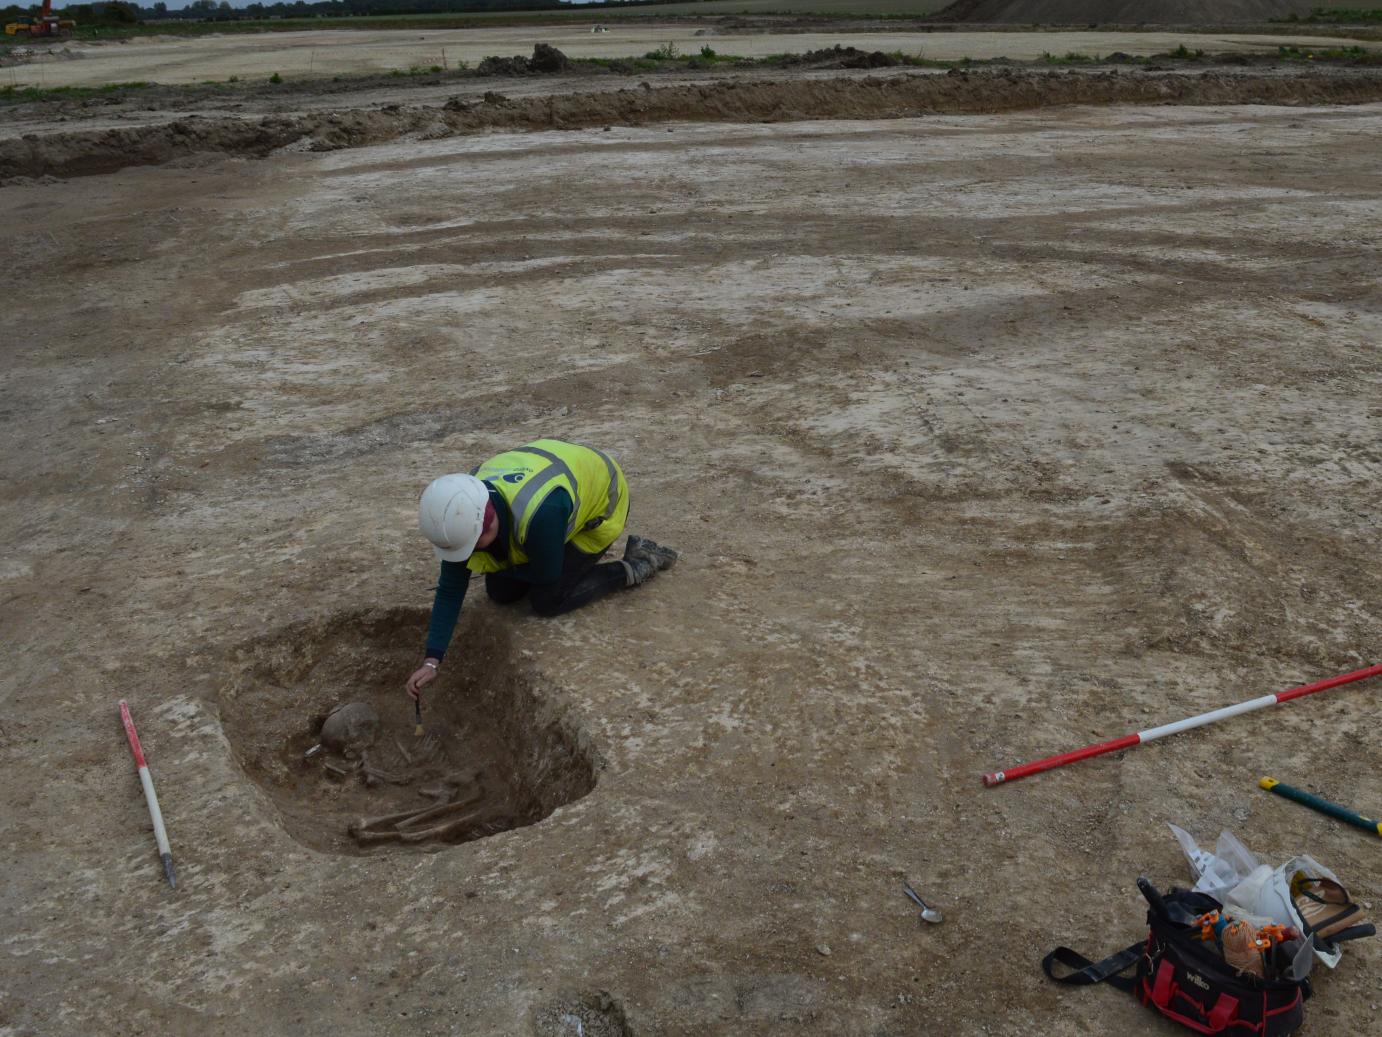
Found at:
<point>1086,972</point>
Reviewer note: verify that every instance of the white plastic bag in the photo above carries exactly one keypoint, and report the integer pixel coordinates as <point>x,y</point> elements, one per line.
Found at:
<point>1251,891</point>
<point>1266,895</point>
<point>1217,873</point>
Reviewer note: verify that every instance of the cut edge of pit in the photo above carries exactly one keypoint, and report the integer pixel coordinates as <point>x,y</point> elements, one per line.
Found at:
<point>280,682</point>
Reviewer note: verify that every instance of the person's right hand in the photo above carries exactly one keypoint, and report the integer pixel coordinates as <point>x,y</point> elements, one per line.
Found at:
<point>422,676</point>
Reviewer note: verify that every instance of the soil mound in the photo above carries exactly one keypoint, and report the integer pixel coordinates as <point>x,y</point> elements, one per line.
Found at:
<point>495,66</point>
<point>546,59</point>
<point>872,97</point>
<point>25,55</point>
<point>1122,12</point>
<point>842,57</point>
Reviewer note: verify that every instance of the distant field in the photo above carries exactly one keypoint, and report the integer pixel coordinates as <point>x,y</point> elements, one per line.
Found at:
<point>851,8</point>
<point>304,55</point>
<point>584,13</point>
<point>840,9</point>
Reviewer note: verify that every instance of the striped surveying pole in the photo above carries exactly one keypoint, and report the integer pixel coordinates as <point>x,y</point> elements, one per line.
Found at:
<point>1323,805</point>
<point>160,833</point>
<point>1128,741</point>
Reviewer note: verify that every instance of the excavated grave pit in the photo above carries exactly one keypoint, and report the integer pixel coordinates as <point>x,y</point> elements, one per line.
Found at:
<point>497,747</point>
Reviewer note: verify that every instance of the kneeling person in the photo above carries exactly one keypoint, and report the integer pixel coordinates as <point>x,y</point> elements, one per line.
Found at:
<point>535,520</point>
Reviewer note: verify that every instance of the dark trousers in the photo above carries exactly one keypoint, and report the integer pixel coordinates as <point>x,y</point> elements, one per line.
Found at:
<point>583,579</point>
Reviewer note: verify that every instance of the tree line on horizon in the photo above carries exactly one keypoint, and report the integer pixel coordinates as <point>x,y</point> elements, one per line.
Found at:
<point>125,12</point>
<point>114,13</point>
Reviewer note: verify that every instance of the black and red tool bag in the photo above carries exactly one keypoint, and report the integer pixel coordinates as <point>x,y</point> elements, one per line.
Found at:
<point>1184,978</point>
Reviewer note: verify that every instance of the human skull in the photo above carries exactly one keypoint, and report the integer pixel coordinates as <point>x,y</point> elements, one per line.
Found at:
<point>350,728</point>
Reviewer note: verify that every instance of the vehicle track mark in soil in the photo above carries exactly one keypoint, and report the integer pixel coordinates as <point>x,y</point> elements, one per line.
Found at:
<point>794,721</point>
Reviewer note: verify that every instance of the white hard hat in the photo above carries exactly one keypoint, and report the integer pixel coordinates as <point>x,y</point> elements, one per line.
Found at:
<point>452,515</point>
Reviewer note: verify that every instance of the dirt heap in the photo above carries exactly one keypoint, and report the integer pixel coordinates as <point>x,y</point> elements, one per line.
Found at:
<point>1122,12</point>
<point>546,59</point>
<point>86,153</point>
<point>842,57</point>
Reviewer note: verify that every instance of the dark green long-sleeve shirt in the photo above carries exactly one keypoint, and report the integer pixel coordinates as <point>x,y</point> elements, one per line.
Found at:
<point>545,546</point>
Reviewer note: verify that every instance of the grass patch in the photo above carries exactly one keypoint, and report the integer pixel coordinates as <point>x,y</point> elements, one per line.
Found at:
<point>667,52</point>
<point>1181,53</point>
<point>1338,16</point>
<point>920,61</point>
<point>1070,57</point>
<point>1348,55</point>
<point>622,64</point>
<point>27,94</point>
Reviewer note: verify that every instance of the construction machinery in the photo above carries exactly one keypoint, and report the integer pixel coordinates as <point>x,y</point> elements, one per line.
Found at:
<point>44,25</point>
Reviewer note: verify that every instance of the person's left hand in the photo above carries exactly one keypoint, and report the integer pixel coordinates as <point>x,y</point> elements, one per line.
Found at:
<point>421,677</point>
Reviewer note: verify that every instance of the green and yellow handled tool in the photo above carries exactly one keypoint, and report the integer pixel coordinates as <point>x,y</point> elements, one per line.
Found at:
<point>1314,802</point>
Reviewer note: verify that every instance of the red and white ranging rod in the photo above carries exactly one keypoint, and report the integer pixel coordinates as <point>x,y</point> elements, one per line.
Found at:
<point>160,833</point>
<point>1128,741</point>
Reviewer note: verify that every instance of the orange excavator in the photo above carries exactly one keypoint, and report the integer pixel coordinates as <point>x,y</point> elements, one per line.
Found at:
<point>45,25</point>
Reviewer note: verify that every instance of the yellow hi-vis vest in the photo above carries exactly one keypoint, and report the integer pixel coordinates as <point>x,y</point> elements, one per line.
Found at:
<point>527,475</point>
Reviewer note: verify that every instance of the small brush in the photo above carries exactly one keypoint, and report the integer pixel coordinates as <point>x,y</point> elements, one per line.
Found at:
<point>417,712</point>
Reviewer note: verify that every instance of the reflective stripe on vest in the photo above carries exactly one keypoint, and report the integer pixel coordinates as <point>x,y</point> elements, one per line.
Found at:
<point>582,471</point>
<point>555,470</point>
<point>613,489</point>
<point>559,468</point>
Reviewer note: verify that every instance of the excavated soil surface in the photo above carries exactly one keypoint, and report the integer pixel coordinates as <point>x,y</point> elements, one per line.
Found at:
<point>897,96</point>
<point>495,739</point>
<point>983,435</point>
